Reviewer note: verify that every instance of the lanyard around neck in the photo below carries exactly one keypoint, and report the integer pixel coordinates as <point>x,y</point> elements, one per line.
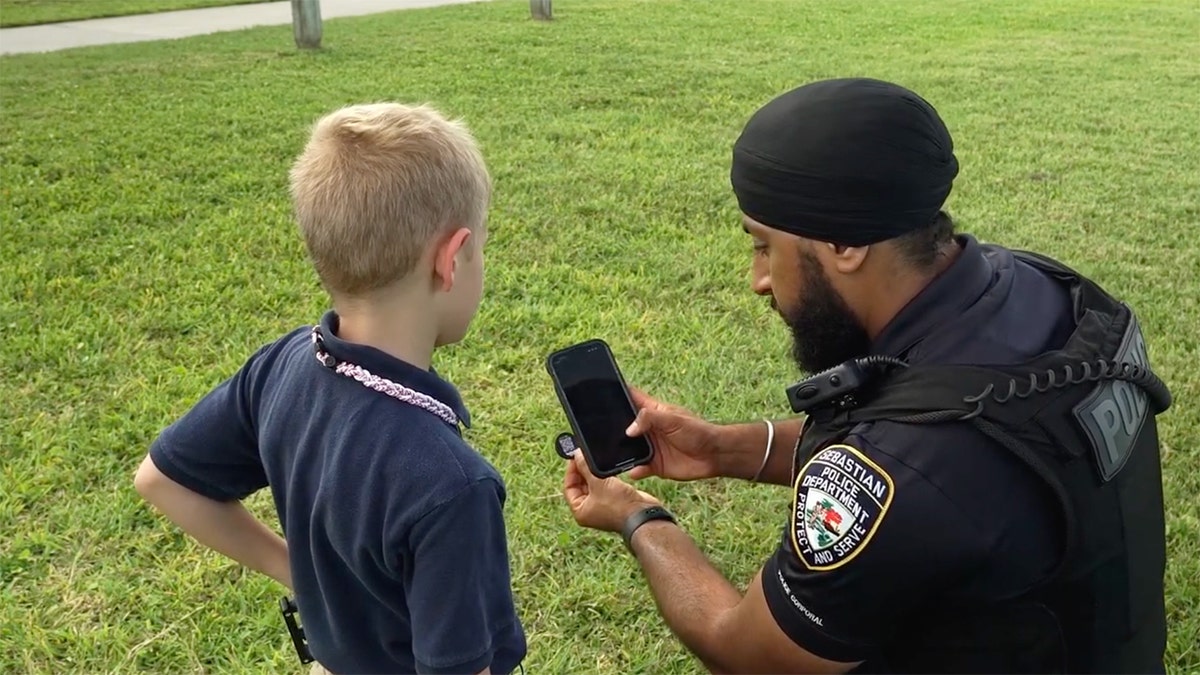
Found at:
<point>380,384</point>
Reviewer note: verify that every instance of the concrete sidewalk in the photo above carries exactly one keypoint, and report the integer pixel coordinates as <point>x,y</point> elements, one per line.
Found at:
<point>171,25</point>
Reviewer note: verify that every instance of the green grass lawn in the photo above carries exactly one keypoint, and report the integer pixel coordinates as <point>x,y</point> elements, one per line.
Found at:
<point>147,250</point>
<point>29,12</point>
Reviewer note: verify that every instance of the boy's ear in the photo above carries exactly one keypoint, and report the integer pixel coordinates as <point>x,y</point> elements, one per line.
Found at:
<point>445,256</point>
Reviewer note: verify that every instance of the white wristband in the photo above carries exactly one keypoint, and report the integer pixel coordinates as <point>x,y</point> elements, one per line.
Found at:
<point>767,454</point>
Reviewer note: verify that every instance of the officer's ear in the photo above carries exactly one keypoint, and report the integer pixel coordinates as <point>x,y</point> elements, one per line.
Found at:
<point>844,259</point>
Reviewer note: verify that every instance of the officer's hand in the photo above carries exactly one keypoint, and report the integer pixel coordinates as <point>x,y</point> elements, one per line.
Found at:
<point>601,503</point>
<point>685,445</point>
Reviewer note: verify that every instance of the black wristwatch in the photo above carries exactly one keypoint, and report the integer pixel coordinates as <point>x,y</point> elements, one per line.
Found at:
<point>639,518</point>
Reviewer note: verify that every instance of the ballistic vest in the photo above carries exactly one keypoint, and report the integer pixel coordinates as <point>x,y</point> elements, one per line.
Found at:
<point>1082,418</point>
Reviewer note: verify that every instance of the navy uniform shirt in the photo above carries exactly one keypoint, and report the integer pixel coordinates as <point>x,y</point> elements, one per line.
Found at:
<point>394,524</point>
<point>900,518</point>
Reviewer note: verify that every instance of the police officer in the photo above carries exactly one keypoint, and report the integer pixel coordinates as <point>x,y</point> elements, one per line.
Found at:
<point>975,483</point>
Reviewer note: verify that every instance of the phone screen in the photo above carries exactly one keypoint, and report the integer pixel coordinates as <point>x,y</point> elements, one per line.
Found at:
<point>596,398</point>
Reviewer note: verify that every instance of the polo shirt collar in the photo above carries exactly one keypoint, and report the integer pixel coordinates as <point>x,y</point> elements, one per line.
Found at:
<point>384,365</point>
<point>946,297</point>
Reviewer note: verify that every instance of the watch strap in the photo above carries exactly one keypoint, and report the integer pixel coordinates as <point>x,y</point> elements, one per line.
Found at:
<point>639,518</point>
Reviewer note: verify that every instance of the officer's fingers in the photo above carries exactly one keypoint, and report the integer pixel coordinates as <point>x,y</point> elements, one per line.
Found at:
<point>571,477</point>
<point>575,497</point>
<point>573,481</point>
<point>644,401</point>
<point>640,398</point>
<point>580,466</point>
<point>600,487</point>
<point>575,488</point>
<point>640,472</point>
<point>644,423</point>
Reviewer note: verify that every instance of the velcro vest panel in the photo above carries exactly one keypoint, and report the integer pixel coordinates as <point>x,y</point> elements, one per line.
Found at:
<point>1083,419</point>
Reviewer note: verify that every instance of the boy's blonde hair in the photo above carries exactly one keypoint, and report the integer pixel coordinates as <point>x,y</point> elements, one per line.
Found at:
<point>375,183</point>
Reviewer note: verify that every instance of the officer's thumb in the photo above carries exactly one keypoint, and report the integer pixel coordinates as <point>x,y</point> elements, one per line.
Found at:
<point>584,470</point>
<point>642,424</point>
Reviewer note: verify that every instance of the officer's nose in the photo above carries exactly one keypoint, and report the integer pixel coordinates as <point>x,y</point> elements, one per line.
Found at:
<point>760,283</point>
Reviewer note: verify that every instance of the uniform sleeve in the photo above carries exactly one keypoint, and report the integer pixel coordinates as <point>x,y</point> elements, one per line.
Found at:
<point>213,448</point>
<point>460,590</point>
<point>868,540</point>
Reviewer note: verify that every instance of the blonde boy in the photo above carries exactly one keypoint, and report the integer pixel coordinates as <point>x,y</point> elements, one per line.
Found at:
<point>395,540</point>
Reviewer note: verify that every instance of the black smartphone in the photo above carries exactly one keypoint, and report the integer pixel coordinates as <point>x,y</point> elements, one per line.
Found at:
<point>598,407</point>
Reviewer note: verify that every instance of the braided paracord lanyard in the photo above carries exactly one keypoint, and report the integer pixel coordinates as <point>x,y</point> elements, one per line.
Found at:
<point>380,384</point>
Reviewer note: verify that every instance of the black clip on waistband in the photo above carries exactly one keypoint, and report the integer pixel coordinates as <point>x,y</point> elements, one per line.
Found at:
<point>288,607</point>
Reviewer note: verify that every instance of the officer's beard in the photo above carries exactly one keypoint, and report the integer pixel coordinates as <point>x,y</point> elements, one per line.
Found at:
<point>825,332</point>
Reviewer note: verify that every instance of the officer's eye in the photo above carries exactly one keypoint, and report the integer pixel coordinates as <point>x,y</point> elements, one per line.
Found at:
<point>760,248</point>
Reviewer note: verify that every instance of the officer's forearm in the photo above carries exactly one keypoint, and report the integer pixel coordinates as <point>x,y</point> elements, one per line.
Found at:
<point>691,595</point>
<point>742,447</point>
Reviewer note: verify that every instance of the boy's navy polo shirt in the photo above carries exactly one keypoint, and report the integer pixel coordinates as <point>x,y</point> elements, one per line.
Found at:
<point>903,520</point>
<point>394,524</point>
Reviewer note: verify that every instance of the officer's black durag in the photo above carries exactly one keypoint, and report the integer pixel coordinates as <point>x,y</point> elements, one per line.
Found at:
<point>848,161</point>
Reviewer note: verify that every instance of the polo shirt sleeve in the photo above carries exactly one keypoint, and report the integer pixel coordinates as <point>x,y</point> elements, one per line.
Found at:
<point>213,448</point>
<point>868,540</point>
<point>460,590</point>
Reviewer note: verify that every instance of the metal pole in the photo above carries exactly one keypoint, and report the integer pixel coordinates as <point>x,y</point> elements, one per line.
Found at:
<point>306,23</point>
<point>540,9</point>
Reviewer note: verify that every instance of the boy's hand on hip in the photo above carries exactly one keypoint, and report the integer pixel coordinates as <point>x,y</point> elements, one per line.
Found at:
<point>601,503</point>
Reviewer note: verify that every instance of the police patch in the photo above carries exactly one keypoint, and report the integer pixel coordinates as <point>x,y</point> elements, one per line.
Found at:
<point>1113,415</point>
<point>840,499</point>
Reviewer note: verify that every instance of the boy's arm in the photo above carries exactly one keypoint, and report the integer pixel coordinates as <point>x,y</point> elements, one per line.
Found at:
<point>226,527</point>
<point>201,466</point>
